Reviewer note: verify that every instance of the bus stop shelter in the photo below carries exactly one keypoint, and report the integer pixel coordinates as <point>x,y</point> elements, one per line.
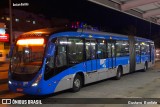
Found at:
<point>148,10</point>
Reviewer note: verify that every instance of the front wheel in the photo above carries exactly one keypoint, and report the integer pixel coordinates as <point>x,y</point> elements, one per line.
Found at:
<point>77,83</point>
<point>119,73</point>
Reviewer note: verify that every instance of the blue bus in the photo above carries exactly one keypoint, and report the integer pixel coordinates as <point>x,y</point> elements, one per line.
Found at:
<point>54,59</point>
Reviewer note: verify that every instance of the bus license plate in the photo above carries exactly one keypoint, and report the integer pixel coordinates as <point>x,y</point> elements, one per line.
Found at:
<point>19,89</point>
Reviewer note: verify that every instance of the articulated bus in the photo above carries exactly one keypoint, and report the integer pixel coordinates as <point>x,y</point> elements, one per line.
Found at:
<point>50,60</point>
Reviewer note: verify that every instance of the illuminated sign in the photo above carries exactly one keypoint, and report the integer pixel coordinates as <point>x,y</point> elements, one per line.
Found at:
<point>4,38</point>
<point>39,41</point>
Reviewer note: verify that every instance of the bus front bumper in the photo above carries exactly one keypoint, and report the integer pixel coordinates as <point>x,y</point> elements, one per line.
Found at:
<point>30,90</point>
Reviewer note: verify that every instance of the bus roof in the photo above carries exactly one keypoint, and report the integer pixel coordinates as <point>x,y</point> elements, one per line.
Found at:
<point>49,31</point>
<point>101,33</point>
<point>112,34</point>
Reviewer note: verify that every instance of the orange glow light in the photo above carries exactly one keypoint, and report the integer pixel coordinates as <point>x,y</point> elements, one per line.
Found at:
<point>39,41</point>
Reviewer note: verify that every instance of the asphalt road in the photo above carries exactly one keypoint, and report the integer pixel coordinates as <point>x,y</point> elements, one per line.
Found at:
<point>135,85</point>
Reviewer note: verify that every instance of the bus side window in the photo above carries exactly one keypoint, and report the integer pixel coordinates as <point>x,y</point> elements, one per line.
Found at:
<point>75,50</point>
<point>137,48</point>
<point>144,48</point>
<point>122,48</point>
<point>61,56</point>
<point>90,46</point>
<point>87,43</point>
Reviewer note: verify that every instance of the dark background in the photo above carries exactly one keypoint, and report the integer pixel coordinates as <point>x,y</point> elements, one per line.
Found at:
<point>92,14</point>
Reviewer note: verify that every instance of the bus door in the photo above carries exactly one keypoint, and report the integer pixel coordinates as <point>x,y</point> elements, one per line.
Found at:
<point>91,62</point>
<point>111,54</point>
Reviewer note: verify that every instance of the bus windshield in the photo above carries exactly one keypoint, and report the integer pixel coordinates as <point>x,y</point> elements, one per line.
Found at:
<point>27,57</point>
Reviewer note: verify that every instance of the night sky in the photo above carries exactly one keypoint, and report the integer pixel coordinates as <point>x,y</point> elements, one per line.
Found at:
<point>93,14</point>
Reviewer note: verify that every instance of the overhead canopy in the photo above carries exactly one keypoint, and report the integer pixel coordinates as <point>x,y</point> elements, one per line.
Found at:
<point>144,9</point>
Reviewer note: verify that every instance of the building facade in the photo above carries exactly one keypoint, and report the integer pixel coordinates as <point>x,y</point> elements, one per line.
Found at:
<point>22,21</point>
<point>4,39</point>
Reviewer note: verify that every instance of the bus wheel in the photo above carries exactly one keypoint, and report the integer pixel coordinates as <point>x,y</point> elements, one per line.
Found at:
<point>145,67</point>
<point>77,83</point>
<point>119,73</point>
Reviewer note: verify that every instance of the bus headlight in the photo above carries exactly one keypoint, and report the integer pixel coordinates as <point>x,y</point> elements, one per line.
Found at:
<point>35,83</point>
<point>9,82</point>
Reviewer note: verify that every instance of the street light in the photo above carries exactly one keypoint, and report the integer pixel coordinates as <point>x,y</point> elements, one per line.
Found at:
<point>10,15</point>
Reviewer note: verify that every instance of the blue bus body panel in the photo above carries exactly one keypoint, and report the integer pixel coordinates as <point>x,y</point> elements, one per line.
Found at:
<point>144,58</point>
<point>138,58</point>
<point>122,60</point>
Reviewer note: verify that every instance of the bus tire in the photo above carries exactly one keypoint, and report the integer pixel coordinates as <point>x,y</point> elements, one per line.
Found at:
<point>145,67</point>
<point>77,83</point>
<point>119,73</point>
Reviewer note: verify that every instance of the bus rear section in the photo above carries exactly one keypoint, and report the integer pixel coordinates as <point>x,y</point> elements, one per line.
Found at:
<point>144,54</point>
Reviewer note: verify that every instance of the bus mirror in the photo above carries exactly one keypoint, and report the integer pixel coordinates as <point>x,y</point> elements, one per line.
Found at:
<point>50,50</point>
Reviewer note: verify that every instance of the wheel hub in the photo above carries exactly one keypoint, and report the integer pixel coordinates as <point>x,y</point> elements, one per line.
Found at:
<point>77,83</point>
